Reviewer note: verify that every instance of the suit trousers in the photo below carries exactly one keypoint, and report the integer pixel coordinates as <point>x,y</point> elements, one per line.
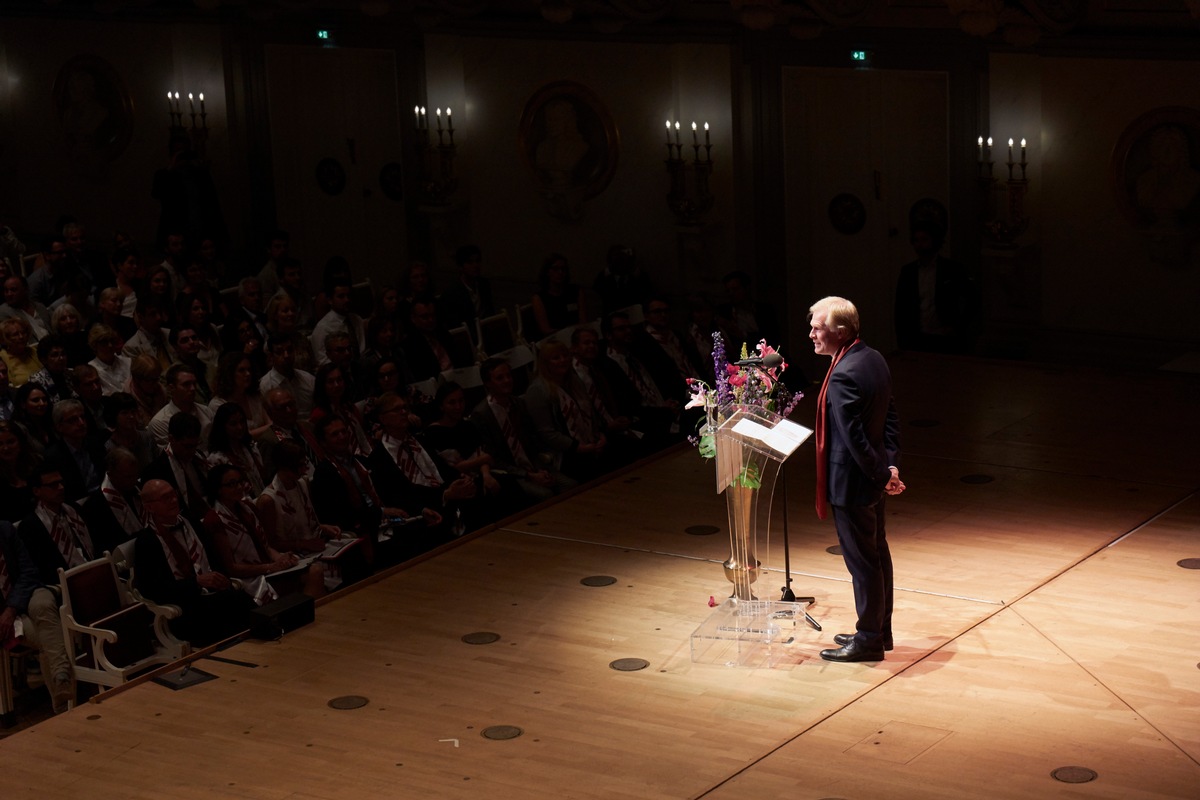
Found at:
<point>43,630</point>
<point>861,534</point>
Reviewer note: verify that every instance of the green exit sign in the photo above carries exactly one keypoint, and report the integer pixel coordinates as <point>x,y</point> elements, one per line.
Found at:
<point>323,35</point>
<point>861,58</point>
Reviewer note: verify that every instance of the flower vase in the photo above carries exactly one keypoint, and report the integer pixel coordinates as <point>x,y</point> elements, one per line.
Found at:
<point>741,569</point>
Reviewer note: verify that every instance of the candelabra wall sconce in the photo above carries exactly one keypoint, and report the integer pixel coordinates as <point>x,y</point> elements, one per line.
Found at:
<point>435,161</point>
<point>690,198</point>
<point>196,136</point>
<point>1004,218</point>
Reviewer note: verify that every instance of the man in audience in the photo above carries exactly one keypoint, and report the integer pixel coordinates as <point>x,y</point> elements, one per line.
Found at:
<point>339,319</point>
<point>286,424</point>
<point>48,283</point>
<point>638,394</point>
<point>150,338</point>
<point>470,296</point>
<point>428,346</point>
<point>172,567</point>
<point>54,533</point>
<point>509,437</point>
<point>90,392</point>
<point>291,283</point>
<point>18,303</point>
<point>24,599</point>
<point>114,513</point>
<point>12,249</point>
<point>665,344</point>
<point>75,458</point>
<point>406,475</point>
<point>249,307</point>
<point>183,465</point>
<point>284,375</point>
<point>187,345</point>
<point>181,385</point>
<point>341,351</point>
<point>83,261</point>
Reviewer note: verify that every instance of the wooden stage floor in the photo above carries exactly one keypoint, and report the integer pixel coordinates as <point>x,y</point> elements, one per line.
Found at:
<point>1042,622</point>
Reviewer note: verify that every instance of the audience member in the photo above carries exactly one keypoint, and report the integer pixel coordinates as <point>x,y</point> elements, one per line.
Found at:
<point>17,465</point>
<point>229,442</point>
<point>331,398</point>
<point>31,410</point>
<point>24,599</point>
<point>54,533</point>
<point>18,304</point>
<point>286,509</point>
<point>236,383</point>
<point>278,244</point>
<point>181,386</point>
<point>284,375</point>
<point>196,314</point>
<point>470,296</point>
<point>108,309</point>
<point>67,323</point>
<point>339,319</point>
<point>670,350</point>
<point>127,274</point>
<point>563,415</point>
<point>283,321</point>
<point>935,297</point>
<point>239,539</point>
<point>150,338</point>
<point>745,320</point>
<point>183,465</point>
<point>77,458</point>
<point>52,376</point>
<point>557,303</point>
<point>622,283</point>
<point>114,513</point>
<point>157,287</point>
<point>145,384</point>
<point>428,345</point>
<point>291,285</point>
<point>22,360</point>
<point>171,566</point>
<point>6,395</point>
<point>90,391</point>
<point>286,424</point>
<point>121,417</point>
<point>186,345</point>
<point>110,363</point>
<point>48,282</point>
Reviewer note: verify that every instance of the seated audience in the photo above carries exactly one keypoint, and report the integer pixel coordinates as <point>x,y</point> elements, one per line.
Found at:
<point>145,384</point>
<point>286,424</point>
<point>172,567</point>
<point>77,457</point>
<point>67,323</point>
<point>428,344</point>
<point>469,297</point>
<point>181,385</point>
<point>339,319</point>
<point>21,359</point>
<point>194,313</point>
<point>19,305</point>
<point>121,417</point>
<point>284,375</point>
<point>236,383</point>
<point>90,392</point>
<point>109,313</point>
<point>331,398</point>
<point>24,599</point>
<point>54,533</point>
<point>114,513</point>
<point>229,442</point>
<point>183,465</point>
<point>150,338</point>
<point>283,322</point>
<point>239,539</point>
<point>52,376</point>
<point>31,410</point>
<point>563,416</point>
<point>17,465</point>
<point>186,346</point>
<point>111,364</point>
<point>286,509</point>
<point>557,303</point>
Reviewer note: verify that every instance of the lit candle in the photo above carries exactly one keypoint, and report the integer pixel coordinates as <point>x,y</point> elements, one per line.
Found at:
<point>695,141</point>
<point>202,102</point>
<point>439,119</point>
<point>170,108</point>
<point>192,105</point>
<point>424,120</point>
<point>677,132</point>
<point>177,102</point>
<point>706,133</point>
<point>668,131</point>
<point>416,116</point>
<point>1010,144</point>
<point>988,152</point>
<point>981,149</point>
<point>1022,151</point>
<point>449,122</point>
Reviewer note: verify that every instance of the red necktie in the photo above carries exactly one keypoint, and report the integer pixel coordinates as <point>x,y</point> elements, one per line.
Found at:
<point>819,429</point>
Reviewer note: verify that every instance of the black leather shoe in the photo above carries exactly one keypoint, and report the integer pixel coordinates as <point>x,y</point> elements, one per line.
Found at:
<point>846,638</point>
<point>852,652</point>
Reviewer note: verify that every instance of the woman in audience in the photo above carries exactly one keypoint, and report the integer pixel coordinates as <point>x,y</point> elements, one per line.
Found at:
<point>330,399</point>
<point>67,322</point>
<point>564,416</point>
<point>145,385</point>
<point>558,303</point>
<point>387,376</point>
<point>108,310</point>
<point>17,464</point>
<point>237,383</point>
<point>283,319</point>
<point>158,285</point>
<point>52,377</point>
<point>31,410</point>
<point>285,507</point>
<point>241,336</point>
<point>22,359</point>
<point>193,312</point>
<point>110,364</point>
<point>239,539</point>
<point>121,413</point>
<point>127,270</point>
<point>383,343</point>
<point>229,442</point>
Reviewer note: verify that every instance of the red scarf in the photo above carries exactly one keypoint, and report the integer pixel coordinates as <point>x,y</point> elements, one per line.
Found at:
<point>822,456</point>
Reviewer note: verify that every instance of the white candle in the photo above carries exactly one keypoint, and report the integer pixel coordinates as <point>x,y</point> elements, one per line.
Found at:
<point>677,132</point>
<point>1022,151</point>
<point>706,133</point>
<point>202,102</point>
<point>695,141</point>
<point>416,116</point>
<point>424,120</point>
<point>170,108</point>
<point>1010,144</point>
<point>439,119</point>
<point>668,131</point>
<point>191,103</point>
<point>981,148</point>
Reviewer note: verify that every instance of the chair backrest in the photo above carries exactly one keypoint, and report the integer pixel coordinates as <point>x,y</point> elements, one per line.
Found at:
<point>462,349</point>
<point>90,591</point>
<point>496,334</point>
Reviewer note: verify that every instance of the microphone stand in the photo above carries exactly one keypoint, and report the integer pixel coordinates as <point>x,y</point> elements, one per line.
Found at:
<point>788,596</point>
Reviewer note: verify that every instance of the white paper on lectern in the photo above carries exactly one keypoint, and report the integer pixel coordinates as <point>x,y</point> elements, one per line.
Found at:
<point>784,438</point>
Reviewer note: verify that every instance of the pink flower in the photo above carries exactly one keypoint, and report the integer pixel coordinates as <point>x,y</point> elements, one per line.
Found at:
<point>737,380</point>
<point>732,369</point>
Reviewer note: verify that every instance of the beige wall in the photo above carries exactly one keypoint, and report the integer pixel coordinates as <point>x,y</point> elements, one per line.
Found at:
<point>1099,273</point>
<point>40,183</point>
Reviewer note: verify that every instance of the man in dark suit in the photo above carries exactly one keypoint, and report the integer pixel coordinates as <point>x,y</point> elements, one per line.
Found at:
<point>54,533</point>
<point>184,466</point>
<point>936,299</point>
<point>858,452</point>
<point>75,455</point>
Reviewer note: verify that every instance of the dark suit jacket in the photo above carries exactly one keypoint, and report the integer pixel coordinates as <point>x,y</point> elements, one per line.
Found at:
<point>106,531</point>
<point>43,550</point>
<point>397,490</point>
<point>58,456</point>
<point>334,505</point>
<point>492,436</point>
<point>22,570</point>
<point>862,428</point>
<point>419,355</point>
<point>196,507</point>
<point>954,301</point>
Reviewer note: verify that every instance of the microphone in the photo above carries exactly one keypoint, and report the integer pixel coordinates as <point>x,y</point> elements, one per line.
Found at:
<point>769,361</point>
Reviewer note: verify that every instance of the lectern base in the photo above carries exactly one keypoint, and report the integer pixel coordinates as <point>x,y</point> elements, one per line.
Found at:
<point>746,633</point>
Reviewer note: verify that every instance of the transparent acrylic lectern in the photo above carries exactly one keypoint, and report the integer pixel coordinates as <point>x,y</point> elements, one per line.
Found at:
<point>747,630</point>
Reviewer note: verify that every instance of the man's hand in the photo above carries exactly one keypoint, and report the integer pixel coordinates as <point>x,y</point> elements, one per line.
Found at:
<point>213,580</point>
<point>894,484</point>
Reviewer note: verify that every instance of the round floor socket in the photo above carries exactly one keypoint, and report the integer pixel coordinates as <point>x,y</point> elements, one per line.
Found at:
<point>599,580</point>
<point>1074,774</point>
<point>499,732</point>
<point>835,550</point>
<point>629,664</point>
<point>348,702</point>
<point>481,637</point>
<point>1189,563</point>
